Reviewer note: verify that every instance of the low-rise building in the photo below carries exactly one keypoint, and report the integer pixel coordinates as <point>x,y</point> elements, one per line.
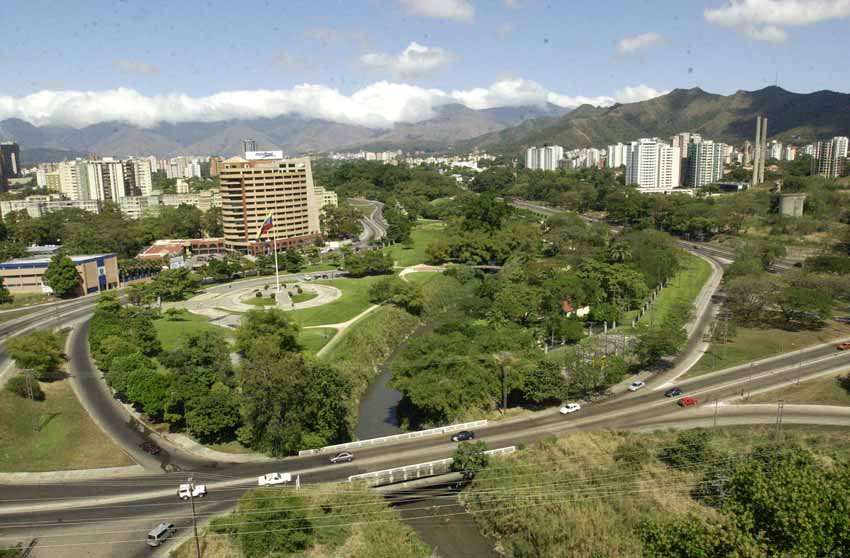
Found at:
<point>97,272</point>
<point>38,206</point>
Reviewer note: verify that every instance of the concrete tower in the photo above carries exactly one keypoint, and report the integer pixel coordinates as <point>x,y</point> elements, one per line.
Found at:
<point>760,150</point>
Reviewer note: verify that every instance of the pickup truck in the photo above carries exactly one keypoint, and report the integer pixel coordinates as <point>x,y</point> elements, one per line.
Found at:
<point>272,479</point>
<point>187,491</point>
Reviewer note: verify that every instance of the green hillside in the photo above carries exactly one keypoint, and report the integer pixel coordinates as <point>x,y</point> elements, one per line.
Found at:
<point>792,117</point>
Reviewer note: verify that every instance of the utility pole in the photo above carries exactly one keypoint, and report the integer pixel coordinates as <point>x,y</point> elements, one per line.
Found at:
<point>779,408</point>
<point>504,387</point>
<point>31,395</point>
<point>194,519</point>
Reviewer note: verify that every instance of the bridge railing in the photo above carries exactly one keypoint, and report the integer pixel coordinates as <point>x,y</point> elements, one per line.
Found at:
<point>417,471</point>
<point>394,438</point>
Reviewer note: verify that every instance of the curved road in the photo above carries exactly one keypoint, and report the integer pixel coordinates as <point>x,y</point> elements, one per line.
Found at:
<point>110,517</point>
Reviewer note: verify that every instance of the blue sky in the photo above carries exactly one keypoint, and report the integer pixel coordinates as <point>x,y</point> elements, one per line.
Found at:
<point>171,57</point>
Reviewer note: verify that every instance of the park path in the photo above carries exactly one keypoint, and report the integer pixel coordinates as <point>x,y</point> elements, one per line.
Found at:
<point>420,268</point>
<point>340,328</point>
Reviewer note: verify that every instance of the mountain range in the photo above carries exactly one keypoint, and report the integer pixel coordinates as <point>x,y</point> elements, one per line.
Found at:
<point>292,134</point>
<point>793,117</point>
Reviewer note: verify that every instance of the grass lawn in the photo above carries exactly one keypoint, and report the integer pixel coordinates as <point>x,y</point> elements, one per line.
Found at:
<point>421,235</point>
<point>354,299</point>
<point>590,494</point>
<point>259,301</point>
<point>686,285</point>
<point>314,339</point>
<point>754,344</point>
<point>169,332</point>
<point>420,277</point>
<point>824,391</point>
<point>68,439</point>
<point>22,300</point>
<point>303,297</point>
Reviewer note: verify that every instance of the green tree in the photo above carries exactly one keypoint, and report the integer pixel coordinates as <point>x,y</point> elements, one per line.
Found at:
<point>691,447</point>
<point>214,418</point>
<point>469,458</point>
<point>5,295</point>
<point>286,528</point>
<point>340,222</point>
<point>369,262</point>
<point>39,351</point>
<point>398,292</point>
<point>660,341</point>
<point>294,260</point>
<point>18,385</point>
<point>61,276</point>
<point>174,284</point>
<point>804,305</point>
<point>212,222</point>
<point>269,328</point>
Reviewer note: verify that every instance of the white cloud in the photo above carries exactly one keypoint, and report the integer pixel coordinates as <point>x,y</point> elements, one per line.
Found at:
<point>135,67</point>
<point>512,3</point>
<point>765,20</point>
<point>634,43</point>
<point>456,10</point>
<point>521,92</point>
<point>415,60</point>
<point>379,105</point>
<point>637,93</point>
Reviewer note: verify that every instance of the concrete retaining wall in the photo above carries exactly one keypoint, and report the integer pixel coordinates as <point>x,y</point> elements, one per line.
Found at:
<point>395,438</point>
<point>420,470</point>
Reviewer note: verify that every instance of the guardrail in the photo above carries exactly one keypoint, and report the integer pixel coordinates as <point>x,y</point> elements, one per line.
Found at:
<point>418,471</point>
<point>394,438</point>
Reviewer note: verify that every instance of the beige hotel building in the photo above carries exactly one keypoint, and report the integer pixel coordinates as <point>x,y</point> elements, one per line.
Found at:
<point>264,182</point>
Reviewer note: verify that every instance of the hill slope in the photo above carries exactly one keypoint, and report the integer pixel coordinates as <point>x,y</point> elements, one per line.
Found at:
<point>792,117</point>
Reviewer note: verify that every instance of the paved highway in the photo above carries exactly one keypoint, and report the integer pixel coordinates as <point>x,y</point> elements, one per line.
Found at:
<point>105,514</point>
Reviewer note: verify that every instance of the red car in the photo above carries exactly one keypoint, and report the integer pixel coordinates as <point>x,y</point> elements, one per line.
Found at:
<point>688,401</point>
<point>844,346</point>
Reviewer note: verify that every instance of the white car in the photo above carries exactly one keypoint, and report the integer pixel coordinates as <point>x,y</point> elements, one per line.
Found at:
<point>185,491</point>
<point>570,408</point>
<point>634,386</point>
<point>273,479</point>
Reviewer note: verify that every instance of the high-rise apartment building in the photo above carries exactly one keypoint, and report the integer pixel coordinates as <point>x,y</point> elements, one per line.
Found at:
<point>10,163</point>
<point>829,157</point>
<point>248,145</point>
<point>653,165</point>
<point>263,183</point>
<point>705,163</point>
<point>215,164</point>
<point>617,155</point>
<point>544,158</point>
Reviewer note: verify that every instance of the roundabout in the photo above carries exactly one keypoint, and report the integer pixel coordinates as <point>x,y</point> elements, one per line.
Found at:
<point>238,299</point>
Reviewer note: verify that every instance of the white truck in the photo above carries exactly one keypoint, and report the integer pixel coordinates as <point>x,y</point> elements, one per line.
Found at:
<point>187,491</point>
<point>272,479</point>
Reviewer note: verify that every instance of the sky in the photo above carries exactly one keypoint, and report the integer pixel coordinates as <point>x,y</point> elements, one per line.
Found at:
<point>379,62</point>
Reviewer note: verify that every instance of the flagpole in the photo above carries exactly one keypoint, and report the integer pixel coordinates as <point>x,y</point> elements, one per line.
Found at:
<point>274,247</point>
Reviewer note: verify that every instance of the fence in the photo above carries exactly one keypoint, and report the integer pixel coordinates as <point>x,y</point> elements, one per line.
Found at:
<point>394,438</point>
<point>420,470</point>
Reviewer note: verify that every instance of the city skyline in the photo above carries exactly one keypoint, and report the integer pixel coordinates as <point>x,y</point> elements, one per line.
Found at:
<point>385,62</point>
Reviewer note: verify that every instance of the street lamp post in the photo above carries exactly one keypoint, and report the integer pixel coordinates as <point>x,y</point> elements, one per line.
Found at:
<point>194,519</point>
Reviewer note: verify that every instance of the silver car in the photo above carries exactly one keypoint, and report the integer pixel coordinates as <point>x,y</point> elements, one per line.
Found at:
<point>342,457</point>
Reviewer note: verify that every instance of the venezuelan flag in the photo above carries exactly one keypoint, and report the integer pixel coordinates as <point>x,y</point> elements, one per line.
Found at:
<point>265,227</point>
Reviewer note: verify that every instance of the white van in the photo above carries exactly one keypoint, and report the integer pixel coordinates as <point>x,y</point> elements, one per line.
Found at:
<point>160,533</point>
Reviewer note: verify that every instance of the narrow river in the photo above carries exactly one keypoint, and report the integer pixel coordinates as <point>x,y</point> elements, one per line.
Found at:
<point>455,534</point>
